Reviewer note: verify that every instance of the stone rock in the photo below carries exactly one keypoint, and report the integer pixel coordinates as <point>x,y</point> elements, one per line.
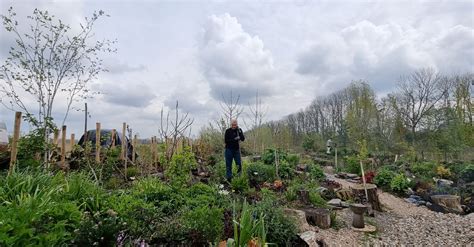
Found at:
<point>310,238</point>
<point>352,176</point>
<point>328,169</point>
<point>443,182</point>
<point>335,202</point>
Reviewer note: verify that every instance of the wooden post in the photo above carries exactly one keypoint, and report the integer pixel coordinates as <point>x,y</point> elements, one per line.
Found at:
<point>134,148</point>
<point>114,132</point>
<point>153,150</point>
<point>85,123</point>
<point>56,137</point>
<point>73,141</point>
<point>335,159</point>
<point>122,151</point>
<point>97,142</point>
<point>363,180</point>
<point>16,136</point>
<point>63,147</point>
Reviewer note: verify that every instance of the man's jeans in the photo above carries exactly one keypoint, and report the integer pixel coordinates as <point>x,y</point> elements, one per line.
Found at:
<point>232,154</point>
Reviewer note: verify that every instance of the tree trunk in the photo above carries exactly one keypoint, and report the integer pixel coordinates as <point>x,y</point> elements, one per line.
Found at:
<point>319,217</point>
<point>372,196</point>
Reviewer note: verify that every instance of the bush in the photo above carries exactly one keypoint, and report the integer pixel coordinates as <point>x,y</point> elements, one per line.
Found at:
<point>399,183</point>
<point>268,157</point>
<point>180,166</point>
<point>352,165</point>
<point>426,170</point>
<point>443,172</point>
<point>467,174</point>
<point>259,173</point>
<point>293,159</point>
<point>240,184</point>
<point>384,177</point>
<point>281,229</point>
<point>204,224</point>
<point>285,170</point>
<point>316,172</point>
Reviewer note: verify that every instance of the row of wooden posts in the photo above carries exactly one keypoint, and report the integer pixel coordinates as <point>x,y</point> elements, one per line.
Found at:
<point>123,153</point>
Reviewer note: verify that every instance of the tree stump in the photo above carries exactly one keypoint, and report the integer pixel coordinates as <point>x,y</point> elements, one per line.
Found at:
<point>319,217</point>
<point>303,196</point>
<point>359,195</point>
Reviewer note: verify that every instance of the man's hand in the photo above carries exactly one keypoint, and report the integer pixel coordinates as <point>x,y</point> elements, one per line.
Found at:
<point>237,138</point>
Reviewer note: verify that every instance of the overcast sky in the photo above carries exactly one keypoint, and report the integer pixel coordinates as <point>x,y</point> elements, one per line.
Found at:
<point>290,51</point>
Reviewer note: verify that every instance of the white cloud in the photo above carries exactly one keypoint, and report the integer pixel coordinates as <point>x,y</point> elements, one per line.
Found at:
<point>381,53</point>
<point>232,59</point>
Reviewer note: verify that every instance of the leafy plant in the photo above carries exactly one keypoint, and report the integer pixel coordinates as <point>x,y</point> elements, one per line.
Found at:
<point>352,165</point>
<point>259,173</point>
<point>399,183</point>
<point>424,169</point>
<point>248,227</point>
<point>240,184</point>
<point>316,172</point>
<point>384,177</point>
<point>467,174</point>
<point>204,224</point>
<point>443,172</point>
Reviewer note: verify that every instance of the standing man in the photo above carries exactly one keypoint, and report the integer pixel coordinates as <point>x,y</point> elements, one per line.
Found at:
<point>232,137</point>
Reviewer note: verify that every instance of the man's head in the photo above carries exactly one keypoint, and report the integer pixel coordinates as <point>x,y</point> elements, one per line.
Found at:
<point>233,124</point>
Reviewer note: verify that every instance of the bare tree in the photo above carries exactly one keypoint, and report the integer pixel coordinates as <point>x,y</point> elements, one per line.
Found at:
<point>257,114</point>
<point>231,109</point>
<point>171,130</point>
<point>418,93</point>
<point>49,62</point>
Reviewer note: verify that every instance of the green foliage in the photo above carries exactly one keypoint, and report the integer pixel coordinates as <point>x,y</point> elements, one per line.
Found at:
<point>259,173</point>
<point>268,157</point>
<point>384,177</point>
<point>293,159</point>
<point>426,170</point>
<point>399,183</point>
<point>204,224</point>
<point>352,165</point>
<point>248,225</point>
<point>316,199</point>
<point>180,166</point>
<point>240,184</point>
<point>29,146</point>
<point>281,229</point>
<point>467,174</point>
<point>316,172</point>
<point>286,170</point>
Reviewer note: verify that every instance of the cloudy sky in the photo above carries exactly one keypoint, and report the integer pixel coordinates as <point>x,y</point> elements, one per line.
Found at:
<point>289,51</point>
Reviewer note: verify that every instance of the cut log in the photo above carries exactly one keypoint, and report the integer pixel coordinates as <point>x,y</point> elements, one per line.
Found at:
<point>451,203</point>
<point>319,217</point>
<point>373,200</point>
<point>303,196</point>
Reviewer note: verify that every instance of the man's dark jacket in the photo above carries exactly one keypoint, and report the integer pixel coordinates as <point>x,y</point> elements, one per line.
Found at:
<point>231,140</point>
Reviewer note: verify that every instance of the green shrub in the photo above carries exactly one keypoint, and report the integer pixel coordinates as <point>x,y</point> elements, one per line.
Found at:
<point>204,224</point>
<point>316,172</point>
<point>165,197</point>
<point>84,192</point>
<point>352,165</point>
<point>293,159</point>
<point>259,173</point>
<point>132,171</point>
<point>467,174</point>
<point>425,170</point>
<point>399,183</point>
<point>285,170</point>
<point>281,229</point>
<point>180,166</point>
<point>268,157</point>
<point>240,184</point>
<point>383,178</point>
<point>316,199</point>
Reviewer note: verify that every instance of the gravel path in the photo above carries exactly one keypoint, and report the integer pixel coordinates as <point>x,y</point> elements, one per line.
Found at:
<point>404,224</point>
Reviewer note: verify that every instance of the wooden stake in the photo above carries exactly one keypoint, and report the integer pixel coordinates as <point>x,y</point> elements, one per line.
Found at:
<point>134,148</point>
<point>122,151</point>
<point>16,136</point>
<point>56,137</point>
<point>363,180</point>
<point>114,132</point>
<point>73,141</point>
<point>63,147</point>
<point>97,142</point>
